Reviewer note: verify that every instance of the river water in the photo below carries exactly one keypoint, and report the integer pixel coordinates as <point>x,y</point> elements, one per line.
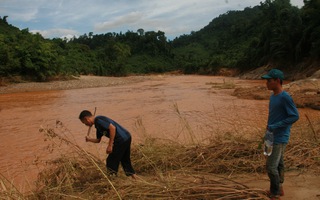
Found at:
<point>187,109</point>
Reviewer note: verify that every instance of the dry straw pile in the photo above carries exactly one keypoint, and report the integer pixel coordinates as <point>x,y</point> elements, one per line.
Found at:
<point>166,169</point>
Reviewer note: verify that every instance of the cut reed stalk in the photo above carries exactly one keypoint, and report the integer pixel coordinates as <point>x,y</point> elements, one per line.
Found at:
<point>89,129</point>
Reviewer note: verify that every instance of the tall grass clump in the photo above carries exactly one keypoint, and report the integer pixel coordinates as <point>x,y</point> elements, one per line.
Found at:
<point>166,170</point>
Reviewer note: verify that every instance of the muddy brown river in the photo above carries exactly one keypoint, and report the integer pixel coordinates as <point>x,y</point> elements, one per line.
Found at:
<point>186,109</point>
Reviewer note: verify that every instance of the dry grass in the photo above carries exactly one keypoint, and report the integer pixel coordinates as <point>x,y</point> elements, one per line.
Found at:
<point>8,190</point>
<point>166,169</point>
<point>161,175</point>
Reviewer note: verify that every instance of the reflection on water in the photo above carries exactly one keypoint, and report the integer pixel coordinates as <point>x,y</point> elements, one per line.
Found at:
<point>169,107</point>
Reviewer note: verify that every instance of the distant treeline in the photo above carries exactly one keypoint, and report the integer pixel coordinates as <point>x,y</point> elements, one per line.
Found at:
<point>274,32</point>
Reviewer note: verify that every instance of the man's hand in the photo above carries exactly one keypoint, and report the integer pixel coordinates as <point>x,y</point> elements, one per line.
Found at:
<point>109,149</point>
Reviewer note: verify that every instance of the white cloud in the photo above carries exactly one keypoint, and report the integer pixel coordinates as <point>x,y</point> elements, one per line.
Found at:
<point>126,20</point>
<point>58,18</point>
<point>57,33</point>
<point>18,12</point>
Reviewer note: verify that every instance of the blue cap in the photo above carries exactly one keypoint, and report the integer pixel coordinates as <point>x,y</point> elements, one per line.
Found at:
<point>274,73</point>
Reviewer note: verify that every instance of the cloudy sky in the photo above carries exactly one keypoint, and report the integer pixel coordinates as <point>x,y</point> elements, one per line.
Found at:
<point>64,18</point>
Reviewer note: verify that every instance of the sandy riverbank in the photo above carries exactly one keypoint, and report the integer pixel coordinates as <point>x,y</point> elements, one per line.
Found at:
<point>75,83</point>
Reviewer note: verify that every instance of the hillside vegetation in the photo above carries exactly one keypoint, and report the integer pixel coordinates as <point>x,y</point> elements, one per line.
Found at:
<point>274,33</point>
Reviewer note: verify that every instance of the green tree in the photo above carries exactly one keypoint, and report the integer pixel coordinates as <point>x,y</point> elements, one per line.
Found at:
<point>140,31</point>
<point>116,55</point>
<point>310,40</point>
<point>281,28</point>
<point>38,57</point>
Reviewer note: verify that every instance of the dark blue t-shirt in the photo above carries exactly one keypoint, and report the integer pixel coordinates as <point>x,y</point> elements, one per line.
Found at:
<point>102,124</point>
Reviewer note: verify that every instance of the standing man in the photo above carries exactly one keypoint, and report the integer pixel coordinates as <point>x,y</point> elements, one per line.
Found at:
<point>119,142</point>
<point>282,114</point>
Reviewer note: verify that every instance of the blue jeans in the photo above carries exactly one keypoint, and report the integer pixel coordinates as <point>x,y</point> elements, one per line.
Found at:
<point>275,168</point>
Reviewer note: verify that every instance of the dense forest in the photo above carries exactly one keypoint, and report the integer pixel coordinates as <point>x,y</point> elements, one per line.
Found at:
<point>272,33</point>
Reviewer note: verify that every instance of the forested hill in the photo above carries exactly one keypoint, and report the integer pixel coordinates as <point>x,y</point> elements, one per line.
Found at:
<point>274,33</point>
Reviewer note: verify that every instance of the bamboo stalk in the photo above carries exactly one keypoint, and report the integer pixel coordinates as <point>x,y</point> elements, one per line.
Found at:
<point>94,114</point>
